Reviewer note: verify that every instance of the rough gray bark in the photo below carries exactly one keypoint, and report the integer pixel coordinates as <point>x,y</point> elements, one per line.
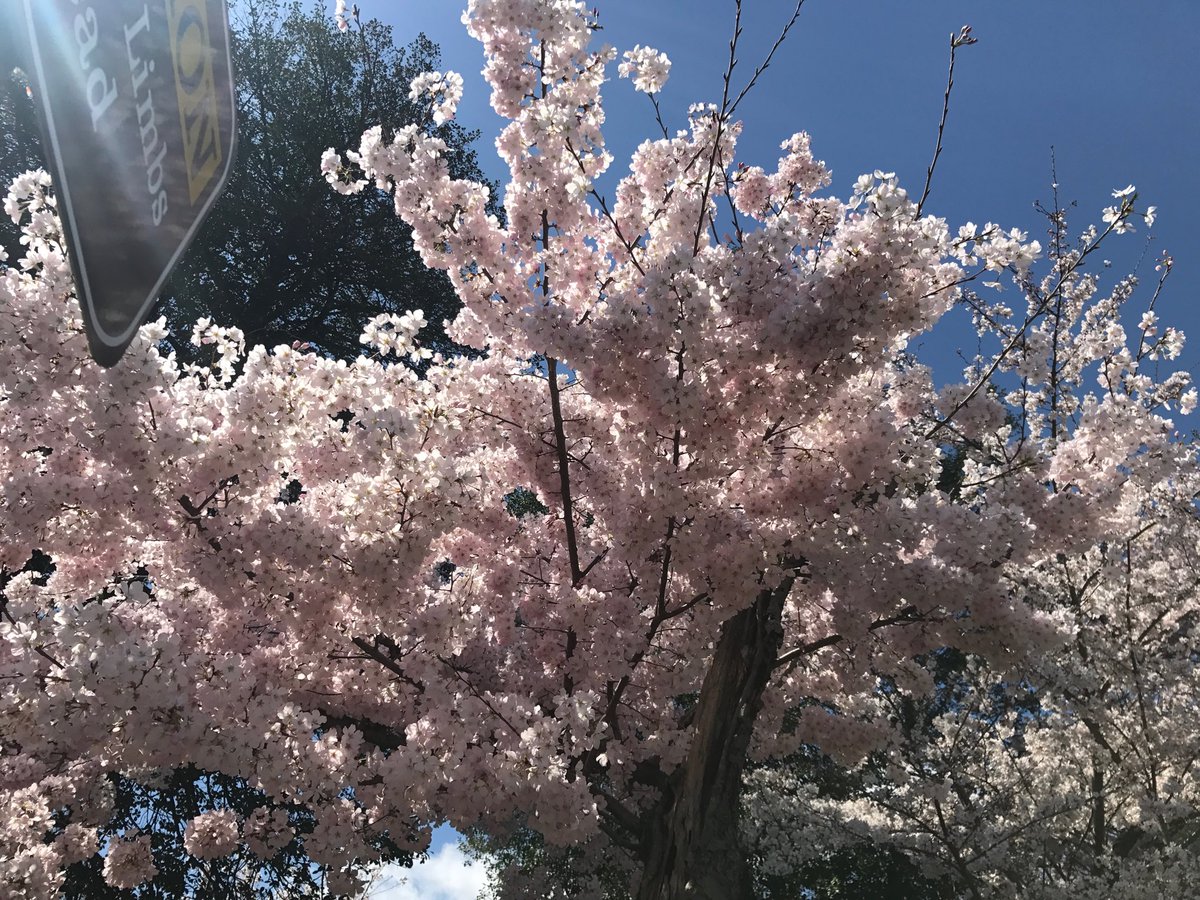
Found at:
<point>691,846</point>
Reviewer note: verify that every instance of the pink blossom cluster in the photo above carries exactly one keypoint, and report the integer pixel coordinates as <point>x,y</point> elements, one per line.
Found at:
<point>396,334</point>
<point>342,15</point>
<point>444,88</point>
<point>647,67</point>
<point>266,832</point>
<point>211,835</point>
<point>128,863</point>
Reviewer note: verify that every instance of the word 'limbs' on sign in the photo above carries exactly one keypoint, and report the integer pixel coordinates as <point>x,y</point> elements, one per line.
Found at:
<point>137,104</point>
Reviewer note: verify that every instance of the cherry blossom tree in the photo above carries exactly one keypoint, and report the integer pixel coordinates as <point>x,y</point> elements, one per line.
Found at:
<point>679,522</point>
<point>1074,778</point>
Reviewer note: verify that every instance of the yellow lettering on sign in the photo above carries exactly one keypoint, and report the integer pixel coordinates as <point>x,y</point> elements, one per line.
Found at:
<point>192,58</point>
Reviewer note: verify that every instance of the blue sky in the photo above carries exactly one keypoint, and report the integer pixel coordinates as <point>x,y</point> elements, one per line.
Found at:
<point>447,874</point>
<point>1109,84</point>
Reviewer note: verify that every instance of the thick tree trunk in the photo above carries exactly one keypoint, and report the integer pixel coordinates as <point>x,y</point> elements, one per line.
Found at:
<point>692,847</point>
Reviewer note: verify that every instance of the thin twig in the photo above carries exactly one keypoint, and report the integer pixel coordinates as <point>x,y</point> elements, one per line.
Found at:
<point>721,118</point>
<point>907,616</point>
<point>962,39</point>
<point>458,673</point>
<point>658,116</point>
<point>766,62</point>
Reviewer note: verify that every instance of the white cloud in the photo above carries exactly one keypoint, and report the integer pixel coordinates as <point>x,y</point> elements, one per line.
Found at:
<point>447,875</point>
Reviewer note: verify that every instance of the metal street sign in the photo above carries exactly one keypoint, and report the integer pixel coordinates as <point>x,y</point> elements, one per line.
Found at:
<point>137,105</point>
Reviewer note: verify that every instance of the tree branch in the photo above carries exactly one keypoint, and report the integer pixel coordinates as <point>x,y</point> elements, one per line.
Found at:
<point>962,39</point>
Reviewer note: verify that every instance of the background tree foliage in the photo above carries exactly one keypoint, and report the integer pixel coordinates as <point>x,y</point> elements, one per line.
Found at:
<point>281,256</point>
<point>20,145</point>
<point>163,811</point>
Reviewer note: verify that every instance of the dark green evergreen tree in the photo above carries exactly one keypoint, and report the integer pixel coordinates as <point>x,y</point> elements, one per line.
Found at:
<point>281,255</point>
<point>20,144</point>
<point>163,812</point>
